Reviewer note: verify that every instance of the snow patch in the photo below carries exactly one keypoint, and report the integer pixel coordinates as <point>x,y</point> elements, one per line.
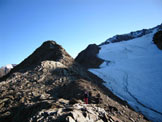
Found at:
<point>9,66</point>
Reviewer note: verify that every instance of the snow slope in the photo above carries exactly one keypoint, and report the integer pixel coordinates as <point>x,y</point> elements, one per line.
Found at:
<point>133,71</point>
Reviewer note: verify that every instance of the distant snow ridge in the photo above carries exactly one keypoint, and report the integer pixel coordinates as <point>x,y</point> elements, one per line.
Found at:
<point>131,35</point>
<point>133,71</point>
<point>9,66</point>
<point>6,69</point>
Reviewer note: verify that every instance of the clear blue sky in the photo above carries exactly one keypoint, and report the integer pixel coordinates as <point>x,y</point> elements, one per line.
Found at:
<point>25,24</point>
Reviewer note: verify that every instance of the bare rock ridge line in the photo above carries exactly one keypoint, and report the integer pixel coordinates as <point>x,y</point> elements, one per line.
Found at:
<point>49,86</point>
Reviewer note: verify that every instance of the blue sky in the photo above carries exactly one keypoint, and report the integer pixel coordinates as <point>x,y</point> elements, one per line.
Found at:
<point>26,24</point>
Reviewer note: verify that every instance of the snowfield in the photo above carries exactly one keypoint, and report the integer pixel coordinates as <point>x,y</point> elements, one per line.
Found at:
<point>133,71</point>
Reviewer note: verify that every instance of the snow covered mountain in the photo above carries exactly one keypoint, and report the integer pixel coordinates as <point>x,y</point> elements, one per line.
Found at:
<point>5,69</point>
<point>132,70</point>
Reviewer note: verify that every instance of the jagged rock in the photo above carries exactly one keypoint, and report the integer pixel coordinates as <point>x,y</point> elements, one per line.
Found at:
<point>74,113</point>
<point>88,57</point>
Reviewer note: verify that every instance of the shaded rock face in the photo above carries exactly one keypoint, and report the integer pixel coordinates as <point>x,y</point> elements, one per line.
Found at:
<point>157,39</point>
<point>48,88</point>
<point>88,57</point>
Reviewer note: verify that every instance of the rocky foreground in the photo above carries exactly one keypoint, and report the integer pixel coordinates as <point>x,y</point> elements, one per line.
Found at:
<point>62,111</point>
<point>49,86</point>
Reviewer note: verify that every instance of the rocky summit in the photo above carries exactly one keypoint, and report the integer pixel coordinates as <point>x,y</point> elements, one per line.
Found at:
<point>49,86</point>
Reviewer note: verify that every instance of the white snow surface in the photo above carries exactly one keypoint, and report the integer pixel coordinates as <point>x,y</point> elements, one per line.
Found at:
<point>133,71</point>
<point>9,66</point>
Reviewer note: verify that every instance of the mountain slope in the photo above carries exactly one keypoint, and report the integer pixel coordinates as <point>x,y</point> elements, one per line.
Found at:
<point>49,86</point>
<point>132,70</point>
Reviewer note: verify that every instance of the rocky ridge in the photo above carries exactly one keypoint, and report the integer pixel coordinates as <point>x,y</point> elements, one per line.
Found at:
<point>50,80</point>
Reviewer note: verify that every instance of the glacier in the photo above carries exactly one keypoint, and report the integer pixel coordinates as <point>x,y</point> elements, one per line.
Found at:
<point>132,70</point>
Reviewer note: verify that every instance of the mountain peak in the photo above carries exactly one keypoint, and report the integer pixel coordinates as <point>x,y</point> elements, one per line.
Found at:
<point>48,51</point>
<point>50,44</point>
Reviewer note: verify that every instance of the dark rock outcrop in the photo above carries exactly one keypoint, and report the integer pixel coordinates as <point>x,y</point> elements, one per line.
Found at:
<point>157,39</point>
<point>88,57</point>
